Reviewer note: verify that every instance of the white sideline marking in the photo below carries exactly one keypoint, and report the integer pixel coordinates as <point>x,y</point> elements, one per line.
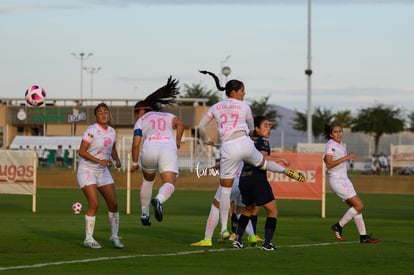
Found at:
<point>156,255</point>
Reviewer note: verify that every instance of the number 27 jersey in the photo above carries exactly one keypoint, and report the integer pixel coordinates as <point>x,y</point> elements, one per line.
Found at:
<point>231,115</point>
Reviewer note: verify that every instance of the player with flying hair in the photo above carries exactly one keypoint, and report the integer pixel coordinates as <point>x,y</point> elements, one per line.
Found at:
<point>155,129</point>
<point>335,159</point>
<point>234,122</point>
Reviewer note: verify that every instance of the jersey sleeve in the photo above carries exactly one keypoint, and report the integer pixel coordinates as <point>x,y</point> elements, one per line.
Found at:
<point>263,145</point>
<point>330,149</point>
<point>138,128</point>
<point>88,135</point>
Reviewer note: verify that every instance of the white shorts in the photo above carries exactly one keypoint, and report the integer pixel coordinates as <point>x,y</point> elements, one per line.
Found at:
<point>342,187</point>
<point>234,195</point>
<point>162,157</point>
<point>234,152</point>
<point>87,176</point>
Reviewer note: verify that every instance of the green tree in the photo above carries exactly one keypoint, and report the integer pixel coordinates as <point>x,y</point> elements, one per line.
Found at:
<point>261,107</point>
<point>198,91</point>
<point>378,120</point>
<point>411,121</point>
<point>319,118</point>
<point>344,118</point>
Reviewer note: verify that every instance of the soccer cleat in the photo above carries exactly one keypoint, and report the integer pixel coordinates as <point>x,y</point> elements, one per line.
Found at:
<point>337,229</point>
<point>232,236</point>
<point>368,239</point>
<point>205,242</point>
<point>157,208</point>
<point>224,235</point>
<point>296,175</point>
<point>252,240</point>
<point>116,242</point>
<point>92,243</point>
<point>237,244</point>
<point>268,247</point>
<point>145,220</point>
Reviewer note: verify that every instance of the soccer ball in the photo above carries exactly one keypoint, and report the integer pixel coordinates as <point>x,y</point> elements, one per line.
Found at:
<point>77,207</point>
<point>35,96</point>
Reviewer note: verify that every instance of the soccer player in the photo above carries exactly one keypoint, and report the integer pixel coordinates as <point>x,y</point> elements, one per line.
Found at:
<point>234,123</point>
<point>97,148</point>
<point>213,217</point>
<point>335,159</point>
<point>255,188</point>
<point>159,149</point>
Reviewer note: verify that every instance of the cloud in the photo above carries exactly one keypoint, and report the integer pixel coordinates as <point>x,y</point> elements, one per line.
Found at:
<point>5,9</point>
<point>244,2</point>
<point>12,8</point>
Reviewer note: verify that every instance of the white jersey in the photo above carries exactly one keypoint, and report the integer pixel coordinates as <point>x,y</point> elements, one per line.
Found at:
<point>337,151</point>
<point>159,148</point>
<point>231,115</point>
<point>155,127</point>
<point>100,142</point>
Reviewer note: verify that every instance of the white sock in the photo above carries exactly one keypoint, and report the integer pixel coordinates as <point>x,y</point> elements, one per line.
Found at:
<point>212,222</point>
<point>114,223</point>
<point>249,229</point>
<point>273,167</point>
<point>359,221</point>
<point>145,195</point>
<point>89,227</point>
<point>224,207</point>
<point>165,192</point>
<point>348,216</point>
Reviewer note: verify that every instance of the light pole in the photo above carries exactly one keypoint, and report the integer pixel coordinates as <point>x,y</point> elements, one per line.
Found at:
<point>81,56</point>
<point>92,71</point>
<point>225,70</point>
<point>308,72</point>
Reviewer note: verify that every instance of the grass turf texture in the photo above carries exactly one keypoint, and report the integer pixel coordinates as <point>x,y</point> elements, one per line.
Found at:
<point>51,240</point>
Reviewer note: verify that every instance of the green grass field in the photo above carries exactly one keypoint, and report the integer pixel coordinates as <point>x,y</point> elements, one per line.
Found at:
<point>51,240</point>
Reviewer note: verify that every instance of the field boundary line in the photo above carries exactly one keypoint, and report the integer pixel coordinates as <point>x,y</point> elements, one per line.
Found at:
<point>156,255</point>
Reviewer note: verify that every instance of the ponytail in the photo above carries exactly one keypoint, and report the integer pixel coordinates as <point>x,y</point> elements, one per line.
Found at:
<point>216,79</point>
<point>231,85</point>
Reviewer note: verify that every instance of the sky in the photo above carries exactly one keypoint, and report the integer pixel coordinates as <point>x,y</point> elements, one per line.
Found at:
<point>361,50</point>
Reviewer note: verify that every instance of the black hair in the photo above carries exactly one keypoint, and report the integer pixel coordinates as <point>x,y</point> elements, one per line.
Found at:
<point>106,106</point>
<point>164,95</point>
<point>231,85</point>
<point>258,120</point>
<point>328,128</point>
<point>100,105</point>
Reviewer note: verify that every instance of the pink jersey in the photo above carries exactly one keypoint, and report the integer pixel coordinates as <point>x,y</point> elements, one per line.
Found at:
<point>231,115</point>
<point>155,127</point>
<point>337,151</point>
<point>100,143</point>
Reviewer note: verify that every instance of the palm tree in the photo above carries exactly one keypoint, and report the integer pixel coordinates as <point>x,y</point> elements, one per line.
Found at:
<point>261,107</point>
<point>344,118</point>
<point>378,120</point>
<point>319,118</point>
<point>411,121</point>
<point>199,91</point>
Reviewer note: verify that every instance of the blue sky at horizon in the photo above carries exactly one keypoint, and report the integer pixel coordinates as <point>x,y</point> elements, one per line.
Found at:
<point>361,50</point>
